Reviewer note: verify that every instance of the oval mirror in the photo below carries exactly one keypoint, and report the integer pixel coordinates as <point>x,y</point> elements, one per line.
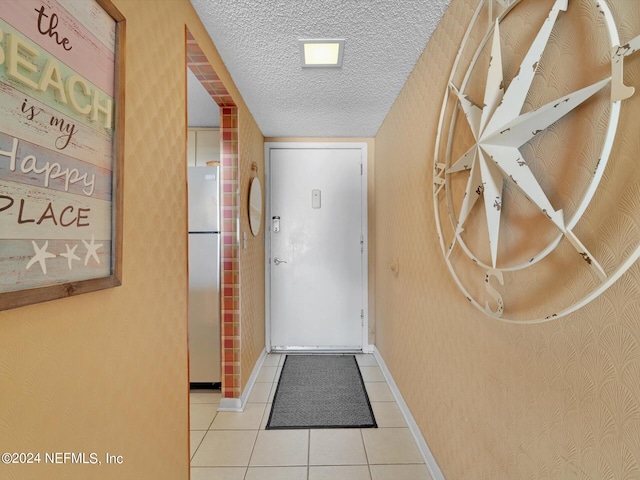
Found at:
<point>255,206</point>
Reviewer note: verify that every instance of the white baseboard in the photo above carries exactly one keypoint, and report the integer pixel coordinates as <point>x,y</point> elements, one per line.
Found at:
<point>230,405</point>
<point>429,459</point>
<point>238,404</point>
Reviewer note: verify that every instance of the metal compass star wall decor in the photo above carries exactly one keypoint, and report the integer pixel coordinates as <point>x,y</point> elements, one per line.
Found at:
<point>526,134</point>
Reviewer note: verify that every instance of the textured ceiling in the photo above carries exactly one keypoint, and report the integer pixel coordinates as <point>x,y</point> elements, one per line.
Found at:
<point>258,42</point>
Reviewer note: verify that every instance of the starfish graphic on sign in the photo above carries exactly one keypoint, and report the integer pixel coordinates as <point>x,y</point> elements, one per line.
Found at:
<point>92,250</point>
<point>40,256</point>
<point>70,255</point>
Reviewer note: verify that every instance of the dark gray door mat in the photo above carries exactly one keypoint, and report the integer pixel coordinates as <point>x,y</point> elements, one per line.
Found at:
<point>321,391</point>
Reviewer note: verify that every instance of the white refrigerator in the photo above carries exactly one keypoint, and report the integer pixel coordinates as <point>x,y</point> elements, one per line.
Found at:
<point>204,276</point>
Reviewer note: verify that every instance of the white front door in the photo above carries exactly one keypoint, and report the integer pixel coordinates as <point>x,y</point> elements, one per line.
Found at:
<point>317,242</point>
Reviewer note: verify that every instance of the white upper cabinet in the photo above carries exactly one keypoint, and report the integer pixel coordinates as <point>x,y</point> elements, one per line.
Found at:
<point>203,146</point>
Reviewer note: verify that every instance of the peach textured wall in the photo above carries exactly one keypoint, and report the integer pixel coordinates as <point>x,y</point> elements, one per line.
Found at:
<point>494,400</point>
<point>107,371</point>
<point>252,287</point>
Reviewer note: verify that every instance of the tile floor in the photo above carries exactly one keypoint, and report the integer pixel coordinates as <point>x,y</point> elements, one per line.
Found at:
<point>236,446</point>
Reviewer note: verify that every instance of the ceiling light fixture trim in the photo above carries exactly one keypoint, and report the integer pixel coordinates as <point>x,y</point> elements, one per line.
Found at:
<point>322,53</point>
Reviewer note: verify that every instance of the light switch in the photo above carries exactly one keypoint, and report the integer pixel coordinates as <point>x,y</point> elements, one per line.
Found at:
<point>315,198</point>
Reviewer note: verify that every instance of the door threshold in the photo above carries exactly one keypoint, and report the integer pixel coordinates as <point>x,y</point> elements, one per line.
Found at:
<point>315,350</point>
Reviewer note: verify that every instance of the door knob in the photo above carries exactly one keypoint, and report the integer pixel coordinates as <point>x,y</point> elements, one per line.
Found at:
<point>277,261</point>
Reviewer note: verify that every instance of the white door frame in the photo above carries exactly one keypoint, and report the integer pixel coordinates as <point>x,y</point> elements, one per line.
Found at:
<point>362,146</point>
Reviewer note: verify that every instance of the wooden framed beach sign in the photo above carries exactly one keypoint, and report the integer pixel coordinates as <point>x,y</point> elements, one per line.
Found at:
<point>61,148</point>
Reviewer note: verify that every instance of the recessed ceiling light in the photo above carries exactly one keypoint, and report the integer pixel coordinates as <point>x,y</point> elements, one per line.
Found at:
<point>321,53</point>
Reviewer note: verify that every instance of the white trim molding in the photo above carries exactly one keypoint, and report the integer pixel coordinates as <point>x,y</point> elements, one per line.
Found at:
<point>239,404</point>
<point>428,457</point>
